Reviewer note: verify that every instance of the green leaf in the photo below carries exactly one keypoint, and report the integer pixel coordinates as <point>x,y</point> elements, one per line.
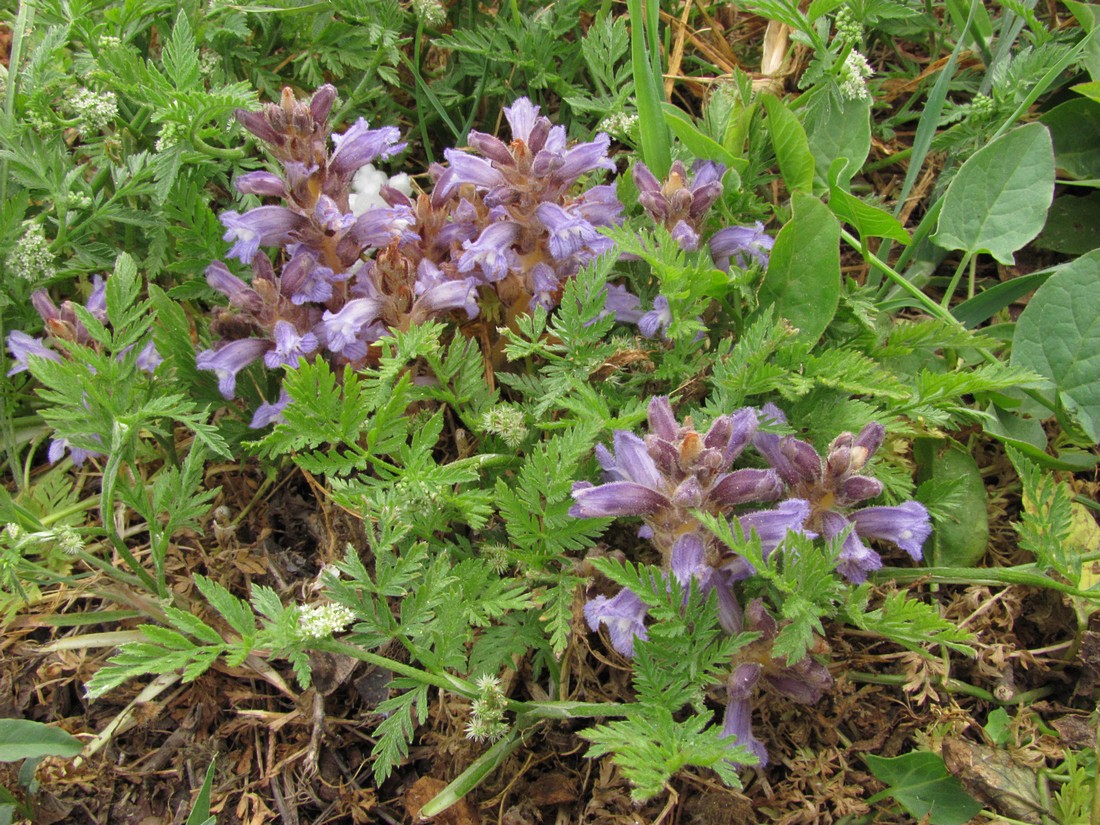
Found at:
<point>869,221</point>
<point>1073,225</point>
<point>1090,90</point>
<point>837,131</point>
<point>989,302</point>
<point>699,144</point>
<point>803,277</point>
<point>200,812</point>
<point>920,783</point>
<point>792,147</point>
<point>1075,130</point>
<point>998,201</point>
<point>961,534</point>
<point>181,58</point>
<point>24,739</point>
<point>1058,336</point>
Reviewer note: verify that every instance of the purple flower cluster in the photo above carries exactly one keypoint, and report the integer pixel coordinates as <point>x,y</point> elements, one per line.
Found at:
<point>63,324</point>
<point>675,471</point>
<point>505,226</point>
<point>681,204</point>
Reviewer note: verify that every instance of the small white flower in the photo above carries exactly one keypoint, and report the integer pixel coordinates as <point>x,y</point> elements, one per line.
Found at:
<point>853,76</point>
<point>619,124</point>
<point>366,187</point>
<point>318,621</point>
<point>93,110</point>
<point>30,258</point>
<point>430,12</point>
<point>70,541</point>
<point>507,422</point>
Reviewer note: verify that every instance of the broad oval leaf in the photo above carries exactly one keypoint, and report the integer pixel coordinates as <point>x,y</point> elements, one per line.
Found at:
<point>919,781</point>
<point>1058,336</point>
<point>803,278</point>
<point>998,201</point>
<point>792,149</point>
<point>24,739</point>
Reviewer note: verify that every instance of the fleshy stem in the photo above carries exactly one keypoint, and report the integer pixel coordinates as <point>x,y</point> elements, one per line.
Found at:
<point>1022,575</point>
<point>525,711</point>
<point>951,686</point>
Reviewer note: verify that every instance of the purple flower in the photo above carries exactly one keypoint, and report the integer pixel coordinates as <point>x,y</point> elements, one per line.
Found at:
<point>833,485</point>
<point>149,359</point>
<point>262,226</point>
<point>59,446</point>
<point>240,294</point>
<point>381,226</point>
<point>465,168</point>
<point>689,563</point>
<point>738,717</point>
<point>568,234</point>
<point>22,346</point>
<point>656,321</point>
<point>522,116</point>
<point>680,204</point>
<point>624,615</point>
<point>492,252</point>
<point>270,412</point>
<point>261,183</point>
<point>361,145</point>
<point>674,470</point>
<point>230,359</point>
<point>304,281</point>
<point>624,304</point>
<point>445,297</point>
<point>290,346</point>
<point>742,244</point>
<point>348,326</point>
<point>568,165</point>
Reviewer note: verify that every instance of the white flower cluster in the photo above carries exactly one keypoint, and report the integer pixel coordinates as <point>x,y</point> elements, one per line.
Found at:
<point>170,134</point>
<point>430,12</point>
<point>318,621</point>
<point>487,711</point>
<point>507,422</point>
<point>619,125</point>
<point>93,110</point>
<point>368,183</point>
<point>68,540</point>
<point>30,258</point>
<point>853,76</point>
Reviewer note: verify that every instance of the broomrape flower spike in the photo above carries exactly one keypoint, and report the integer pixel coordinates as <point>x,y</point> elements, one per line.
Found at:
<point>833,485</point>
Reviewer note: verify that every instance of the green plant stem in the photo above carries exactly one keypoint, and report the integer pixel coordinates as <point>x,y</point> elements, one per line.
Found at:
<point>951,287</point>
<point>444,681</point>
<point>455,684</point>
<point>951,686</point>
<point>982,575</point>
<point>473,775</point>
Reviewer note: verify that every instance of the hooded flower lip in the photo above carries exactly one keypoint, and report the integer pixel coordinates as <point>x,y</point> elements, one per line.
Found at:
<point>270,412</point>
<point>742,245</point>
<point>568,234</point>
<point>262,226</point>
<point>624,615</point>
<point>261,183</point>
<point>492,252</point>
<point>348,326</point>
<point>361,145</point>
<point>230,359</point>
<point>23,346</point>
<point>239,293</point>
<point>290,346</point>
